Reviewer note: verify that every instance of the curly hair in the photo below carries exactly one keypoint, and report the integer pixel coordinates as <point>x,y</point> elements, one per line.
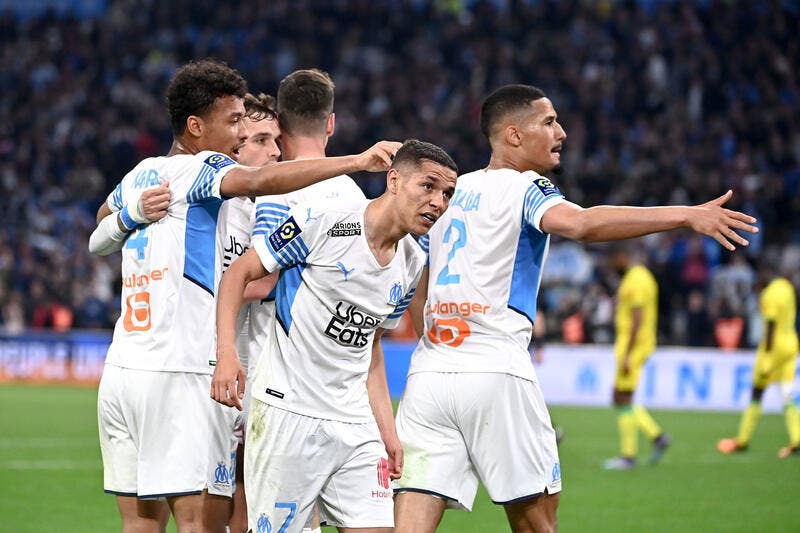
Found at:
<point>196,86</point>
<point>260,107</point>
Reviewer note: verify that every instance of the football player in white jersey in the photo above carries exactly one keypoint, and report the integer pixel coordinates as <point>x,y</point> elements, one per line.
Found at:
<point>235,229</point>
<point>155,417</point>
<point>472,408</point>
<point>321,428</point>
<point>305,99</point>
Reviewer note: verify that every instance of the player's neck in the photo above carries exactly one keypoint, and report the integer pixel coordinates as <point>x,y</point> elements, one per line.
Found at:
<point>300,147</point>
<point>381,231</point>
<point>180,146</point>
<point>504,159</point>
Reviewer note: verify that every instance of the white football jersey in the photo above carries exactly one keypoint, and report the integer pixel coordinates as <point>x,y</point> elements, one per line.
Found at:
<point>336,192</point>
<point>486,255</point>
<point>233,240</point>
<point>170,268</point>
<point>331,296</point>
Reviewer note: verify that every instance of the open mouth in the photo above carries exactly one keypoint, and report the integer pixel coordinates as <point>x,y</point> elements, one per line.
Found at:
<point>429,217</point>
<point>235,152</point>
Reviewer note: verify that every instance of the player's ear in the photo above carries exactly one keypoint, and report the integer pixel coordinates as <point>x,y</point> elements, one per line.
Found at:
<point>392,180</point>
<point>512,135</point>
<point>330,125</point>
<point>194,125</point>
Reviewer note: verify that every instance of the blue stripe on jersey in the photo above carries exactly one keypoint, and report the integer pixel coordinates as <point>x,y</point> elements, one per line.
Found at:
<point>202,187</point>
<point>293,253</point>
<point>285,291</point>
<point>527,273</point>
<point>200,243</point>
<point>403,305</point>
<point>116,197</point>
<point>424,242</point>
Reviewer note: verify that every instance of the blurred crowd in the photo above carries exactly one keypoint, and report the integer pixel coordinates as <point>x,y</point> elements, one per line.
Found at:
<point>663,103</point>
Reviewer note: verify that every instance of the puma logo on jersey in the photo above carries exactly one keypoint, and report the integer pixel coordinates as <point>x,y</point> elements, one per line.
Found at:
<point>344,269</point>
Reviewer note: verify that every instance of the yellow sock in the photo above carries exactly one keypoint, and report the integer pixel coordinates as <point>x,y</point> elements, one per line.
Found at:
<point>646,423</point>
<point>748,423</point>
<point>628,437</point>
<point>792,423</point>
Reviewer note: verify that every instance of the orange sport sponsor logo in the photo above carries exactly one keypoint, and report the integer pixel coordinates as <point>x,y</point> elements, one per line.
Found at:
<point>137,305</point>
<point>452,330</point>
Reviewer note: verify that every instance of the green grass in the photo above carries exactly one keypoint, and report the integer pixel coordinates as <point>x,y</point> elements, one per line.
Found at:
<point>51,476</point>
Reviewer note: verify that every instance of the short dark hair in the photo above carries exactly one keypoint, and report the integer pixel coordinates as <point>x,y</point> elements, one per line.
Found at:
<point>414,151</point>
<point>505,100</point>
<point>260,107</point>
<point>305,101</point>
<point>196,86</point>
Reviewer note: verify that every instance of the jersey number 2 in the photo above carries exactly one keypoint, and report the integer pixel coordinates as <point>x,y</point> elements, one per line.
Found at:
<point>457,225</point>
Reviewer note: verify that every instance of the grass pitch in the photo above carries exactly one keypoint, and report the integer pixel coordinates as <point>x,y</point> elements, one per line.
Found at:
<point>51,475</point>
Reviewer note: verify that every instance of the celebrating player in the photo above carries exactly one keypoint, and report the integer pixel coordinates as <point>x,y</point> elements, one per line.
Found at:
<point>155,417</point>
<point>321,428</point>
<point>472,408</point>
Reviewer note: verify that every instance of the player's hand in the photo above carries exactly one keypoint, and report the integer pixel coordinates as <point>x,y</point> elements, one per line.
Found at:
<point>395,452</point>
<point>154,202</point>
<point>715,221</point>
<point>227,384</point>
<point>378,157</point>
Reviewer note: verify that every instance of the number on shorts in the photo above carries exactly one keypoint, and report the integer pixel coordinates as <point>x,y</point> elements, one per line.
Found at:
<point>445,277</point>
<point>292,506</point>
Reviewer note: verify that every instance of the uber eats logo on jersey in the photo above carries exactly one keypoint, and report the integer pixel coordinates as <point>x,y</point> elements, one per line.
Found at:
<point>345,229</point>
<point>350,326</point>
<point>284,234</point>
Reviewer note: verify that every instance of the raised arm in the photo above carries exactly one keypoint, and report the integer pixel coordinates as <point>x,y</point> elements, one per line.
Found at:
<point>227,385</point>
<point>289,176</point>
<point>610,223</point>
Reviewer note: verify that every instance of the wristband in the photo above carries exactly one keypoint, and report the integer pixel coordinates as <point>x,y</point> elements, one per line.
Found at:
<point>126,218</point>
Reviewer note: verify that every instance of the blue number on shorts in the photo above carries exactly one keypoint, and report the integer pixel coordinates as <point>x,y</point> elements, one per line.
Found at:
<point>292,506</point>
<point>445,277</point>
<point>138,242</point>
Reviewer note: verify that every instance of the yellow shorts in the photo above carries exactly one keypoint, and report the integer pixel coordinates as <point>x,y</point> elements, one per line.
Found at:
<point>774,368</point>
<point>627,382</point>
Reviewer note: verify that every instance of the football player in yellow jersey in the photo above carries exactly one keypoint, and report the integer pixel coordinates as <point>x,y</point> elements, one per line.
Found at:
<point>636,318</point>
<point>776,362</point>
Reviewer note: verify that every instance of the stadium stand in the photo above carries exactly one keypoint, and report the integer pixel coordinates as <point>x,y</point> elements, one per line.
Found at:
<point>662,102</point>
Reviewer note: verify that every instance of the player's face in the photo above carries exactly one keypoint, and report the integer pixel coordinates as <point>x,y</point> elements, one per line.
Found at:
<point>542,136</point>
<point>261,147</point>
<point>224,129</point>
<point>424,194</point>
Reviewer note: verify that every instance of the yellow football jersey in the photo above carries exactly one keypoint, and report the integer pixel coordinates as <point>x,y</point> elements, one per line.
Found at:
<point>637,289</point>
<point>778,304</point>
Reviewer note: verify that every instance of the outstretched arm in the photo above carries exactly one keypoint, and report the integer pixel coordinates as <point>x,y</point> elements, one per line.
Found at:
<point>381,403</point>
<point>289,176</point>
<point>610,223</point>
<point>227,385</point>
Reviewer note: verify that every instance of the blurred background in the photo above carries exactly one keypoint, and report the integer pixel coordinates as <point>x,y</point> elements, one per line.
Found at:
<point>663,102</point>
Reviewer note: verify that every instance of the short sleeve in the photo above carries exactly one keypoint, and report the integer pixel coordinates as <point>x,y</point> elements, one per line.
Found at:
<point>114,200</point>
<point>425,244</point>
<point>269,211</point>
<point>212,168</point>
<point>287,244</point>
<point>770,306</point>
<point>540,196</point>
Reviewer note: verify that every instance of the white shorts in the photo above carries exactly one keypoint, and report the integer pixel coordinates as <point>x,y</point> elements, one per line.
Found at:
<point>221,470</point>
<point>155,429</point>
<point>458,428</point>
<point>294,461</point>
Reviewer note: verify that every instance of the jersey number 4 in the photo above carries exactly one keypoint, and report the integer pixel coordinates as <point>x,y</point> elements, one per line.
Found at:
<point>459,241</point>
